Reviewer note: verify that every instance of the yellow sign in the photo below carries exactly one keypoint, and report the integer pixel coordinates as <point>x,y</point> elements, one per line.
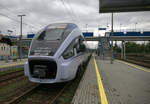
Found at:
<point>14,50</point>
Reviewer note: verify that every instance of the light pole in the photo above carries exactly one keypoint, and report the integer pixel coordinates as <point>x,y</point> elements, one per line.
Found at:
<point>112,31</point>
<point>20,37</point>
<point>135,26</point>
<point>120,27</point>
<point>86,27</point>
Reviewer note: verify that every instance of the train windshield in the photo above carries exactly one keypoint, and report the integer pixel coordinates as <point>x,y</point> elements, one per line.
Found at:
<point>48,40</point>
<point>51,33</point>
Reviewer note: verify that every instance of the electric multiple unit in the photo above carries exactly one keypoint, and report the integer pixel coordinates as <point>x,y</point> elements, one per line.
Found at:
<point>55,54</point>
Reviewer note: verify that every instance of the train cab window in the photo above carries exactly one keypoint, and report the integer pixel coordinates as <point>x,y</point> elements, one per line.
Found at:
<point>69,52</point>
<point>51,34</point>
<point>80,45</point>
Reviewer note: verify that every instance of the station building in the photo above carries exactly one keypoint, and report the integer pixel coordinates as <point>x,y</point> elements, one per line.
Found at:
<point>5,45</point>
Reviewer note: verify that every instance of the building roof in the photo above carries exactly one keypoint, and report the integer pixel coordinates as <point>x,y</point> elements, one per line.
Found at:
<point>1,36</point>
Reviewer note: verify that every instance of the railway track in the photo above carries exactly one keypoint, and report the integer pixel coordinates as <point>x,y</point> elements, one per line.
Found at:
<point>141,60</point>
<point>25,92</point>
<point>11,76</point>
<point>41,94</point>
<point>141,63</point>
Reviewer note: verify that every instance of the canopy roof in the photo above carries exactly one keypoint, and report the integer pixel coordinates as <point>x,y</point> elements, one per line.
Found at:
<point>108,6</point>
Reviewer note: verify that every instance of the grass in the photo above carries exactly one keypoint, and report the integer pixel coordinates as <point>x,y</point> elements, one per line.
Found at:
<point>9,91</point>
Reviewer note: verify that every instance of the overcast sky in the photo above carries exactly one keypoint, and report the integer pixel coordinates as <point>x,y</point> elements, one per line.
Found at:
<point>40,13</point>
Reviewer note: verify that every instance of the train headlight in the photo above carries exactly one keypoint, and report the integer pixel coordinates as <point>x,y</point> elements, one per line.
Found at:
<point>40,71</point>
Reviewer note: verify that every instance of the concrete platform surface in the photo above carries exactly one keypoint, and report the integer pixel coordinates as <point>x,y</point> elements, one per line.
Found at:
<point>122,83</point>
<point>87,92</point>
<point>125,83</point>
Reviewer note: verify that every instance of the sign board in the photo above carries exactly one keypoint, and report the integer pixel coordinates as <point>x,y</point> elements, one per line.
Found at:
<point>9,31</point>
<point>30,35</point>
<point>88,34</point>
<point>14,52</point>
<point>109,6</point>
<point>101,28</point>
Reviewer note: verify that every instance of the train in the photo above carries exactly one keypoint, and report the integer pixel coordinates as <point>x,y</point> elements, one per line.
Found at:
<point>56,53</point>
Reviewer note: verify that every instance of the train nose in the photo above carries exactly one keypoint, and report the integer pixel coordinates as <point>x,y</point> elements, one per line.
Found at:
<point>40,71</point>
<point>44,69</point>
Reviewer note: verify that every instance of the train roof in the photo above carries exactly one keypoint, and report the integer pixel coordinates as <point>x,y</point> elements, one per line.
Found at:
<point>69,26</point>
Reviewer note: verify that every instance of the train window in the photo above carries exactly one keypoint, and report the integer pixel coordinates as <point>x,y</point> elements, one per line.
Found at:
<point>51,34</point>
<point>42,35</point>
<point>69,52</point>
<point>80,45</point>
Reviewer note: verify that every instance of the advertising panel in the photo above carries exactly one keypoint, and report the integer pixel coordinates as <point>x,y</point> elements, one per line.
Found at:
<point>14,51</point>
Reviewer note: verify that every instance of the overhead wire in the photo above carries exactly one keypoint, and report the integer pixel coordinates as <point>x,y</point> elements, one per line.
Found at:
<point>67,11</point>
<point>17,20</point>
<point>72,11</point>
<point>10,12</point>
<point>31,25</point>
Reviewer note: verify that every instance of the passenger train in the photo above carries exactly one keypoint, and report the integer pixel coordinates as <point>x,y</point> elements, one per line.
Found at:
<point>55,54</point>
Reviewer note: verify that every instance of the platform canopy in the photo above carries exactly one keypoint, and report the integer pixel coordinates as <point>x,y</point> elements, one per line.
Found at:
<point>109,6</point>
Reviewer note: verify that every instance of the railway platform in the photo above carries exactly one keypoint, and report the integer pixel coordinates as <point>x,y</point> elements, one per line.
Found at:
<point>88,91</point>
<point>117,83</point>
<point>11,64</point>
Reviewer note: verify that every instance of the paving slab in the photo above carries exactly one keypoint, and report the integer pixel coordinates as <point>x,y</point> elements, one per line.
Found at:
<point>124,83</point>
<point>88,92</point>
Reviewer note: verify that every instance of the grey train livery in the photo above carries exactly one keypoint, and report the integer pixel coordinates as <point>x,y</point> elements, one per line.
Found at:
<point>55,54</point>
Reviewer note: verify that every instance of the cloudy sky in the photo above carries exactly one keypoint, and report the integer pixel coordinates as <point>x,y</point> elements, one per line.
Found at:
<point>40,13</point>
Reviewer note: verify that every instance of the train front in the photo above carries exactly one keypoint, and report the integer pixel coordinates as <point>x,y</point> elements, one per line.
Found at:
<point>42,64</point>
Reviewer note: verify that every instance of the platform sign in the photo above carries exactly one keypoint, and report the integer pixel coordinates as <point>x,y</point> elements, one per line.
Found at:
<point>109,6</point>
<point>101,28</point>
<point>30,35</point>
<point>88,34</point>
<point>14,52</point>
